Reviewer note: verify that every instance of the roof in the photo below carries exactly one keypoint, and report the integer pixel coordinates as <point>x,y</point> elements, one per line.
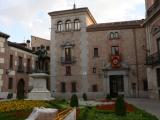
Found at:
<point>19,47</point>
<point>70,11</point>
<point>4,35</point>
<point>116,25</point>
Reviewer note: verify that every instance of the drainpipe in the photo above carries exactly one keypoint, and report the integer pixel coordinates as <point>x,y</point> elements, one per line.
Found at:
<point>136,53</point>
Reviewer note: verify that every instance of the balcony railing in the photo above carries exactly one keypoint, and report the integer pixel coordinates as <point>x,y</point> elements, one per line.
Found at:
<point>71,60</point>
<point>153,7</point>
<point>153,59</point>
<point>20,68</point>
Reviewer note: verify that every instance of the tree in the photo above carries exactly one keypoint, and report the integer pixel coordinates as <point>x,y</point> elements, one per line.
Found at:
<point>74,101</point>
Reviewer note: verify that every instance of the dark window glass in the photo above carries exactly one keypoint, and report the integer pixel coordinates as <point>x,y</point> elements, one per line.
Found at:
<point>67,54</point>
<point>33,48</point>
<point>63,87</point>
<point>38,48</point>
<point>28,65</point>
<point>10,83</point>
<point>94,88</point>
<point>115,50</point>
<point>68,70</point>
<point>47,48</point>
<point>20,63</point>
<point>11,62</point>
<point>73,84</point>
<point>145,85</point>
<point>95,52</point>
<point>59,26</point>
<point>94,70</point>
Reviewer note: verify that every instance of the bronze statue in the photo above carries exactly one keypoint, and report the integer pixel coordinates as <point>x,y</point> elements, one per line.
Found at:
<point>42,54</point>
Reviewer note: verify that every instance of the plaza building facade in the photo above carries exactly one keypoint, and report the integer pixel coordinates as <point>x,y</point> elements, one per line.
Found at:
<point>152,25</point>
<point>16,63</point>
<point>96,58</point>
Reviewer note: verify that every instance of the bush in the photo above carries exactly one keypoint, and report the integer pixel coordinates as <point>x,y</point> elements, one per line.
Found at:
<point>10,95</point>
<point>74,101</point>
<point>120,108</point>
<point>108,97</point>
<point>85,97</point>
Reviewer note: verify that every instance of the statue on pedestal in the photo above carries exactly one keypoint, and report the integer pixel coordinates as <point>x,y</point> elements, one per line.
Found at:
<point>42,55</point>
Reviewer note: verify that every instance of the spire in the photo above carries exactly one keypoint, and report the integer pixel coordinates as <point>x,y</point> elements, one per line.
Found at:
<point>74,6</point>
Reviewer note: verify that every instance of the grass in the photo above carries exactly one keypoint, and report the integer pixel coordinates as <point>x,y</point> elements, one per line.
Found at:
<point>91,113</point>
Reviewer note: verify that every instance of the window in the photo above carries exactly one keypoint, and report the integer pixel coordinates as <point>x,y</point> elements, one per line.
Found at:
<point>33,48</point>
<point>76,24</point>
<point>67,54</point>
<point>38,48</point>
<point>11,62</point>
<point>115,50</point>
<point>95,52</point>
<point>63,87</point>
<point>73,84</point>
<point>68,25</point>
<point>20,64</point>
<point>158,45</point>
<point>47,48</point>
<point>68,70</point>
<point>10,83</point>
<point>60,26</point>
<point>28,65</point>
<point>145,85</point>
<point>94,88</point>
<point>94,69</point>
<point>111,35</point>
<point>116,35</point>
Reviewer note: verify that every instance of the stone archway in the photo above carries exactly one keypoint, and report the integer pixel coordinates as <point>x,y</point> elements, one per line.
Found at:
<point>20,89</point>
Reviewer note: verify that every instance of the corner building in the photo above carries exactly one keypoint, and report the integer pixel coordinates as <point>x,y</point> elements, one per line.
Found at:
<point>96,59</point>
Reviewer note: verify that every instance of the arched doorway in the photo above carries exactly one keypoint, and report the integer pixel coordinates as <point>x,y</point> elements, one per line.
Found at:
<point>20,89</point>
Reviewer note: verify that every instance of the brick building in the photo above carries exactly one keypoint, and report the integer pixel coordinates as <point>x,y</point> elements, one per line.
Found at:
<point>16,63</point>
<point>96,58</point>
<point>152,25</point>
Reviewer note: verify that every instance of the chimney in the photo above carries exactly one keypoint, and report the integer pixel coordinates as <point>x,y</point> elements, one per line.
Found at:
<point>28,44</point>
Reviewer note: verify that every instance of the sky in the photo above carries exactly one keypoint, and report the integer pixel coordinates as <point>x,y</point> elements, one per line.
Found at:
<point>22,18</point>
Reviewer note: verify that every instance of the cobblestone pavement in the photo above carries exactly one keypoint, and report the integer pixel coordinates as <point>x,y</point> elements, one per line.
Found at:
<point>149,105</point>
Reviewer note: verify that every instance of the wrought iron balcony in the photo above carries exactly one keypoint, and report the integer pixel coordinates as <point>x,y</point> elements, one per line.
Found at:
<point>20,68</point>
<point>153,59</point>
<point>70,60</point>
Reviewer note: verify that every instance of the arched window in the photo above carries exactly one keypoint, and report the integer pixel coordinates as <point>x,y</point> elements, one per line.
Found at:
<point>59,26</point>
<point>116,35</point>
<point>111,35</point>
<point>68,25</point>
<point>76,24</point>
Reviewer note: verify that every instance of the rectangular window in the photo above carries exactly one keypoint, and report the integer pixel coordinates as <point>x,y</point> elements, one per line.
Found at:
<point>63,87</point>
<point>68,54</point>
<point>145,85</point>
<point>95,52</point>
<point>11,62</point>
<point>20,64</point>
<point>10,83</point>
<point>28,65</point>
<point>33,48</point>
<point>94,70</point>
<point>115,50</point>
<point>68,70</point>
<point>94,88</point>
<point>38,48</point>
<point>158,45</point>
<point>47,48</point>
<point>74,87</point>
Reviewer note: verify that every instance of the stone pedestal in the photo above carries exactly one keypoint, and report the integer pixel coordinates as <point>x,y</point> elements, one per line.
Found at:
<point>39,91</point>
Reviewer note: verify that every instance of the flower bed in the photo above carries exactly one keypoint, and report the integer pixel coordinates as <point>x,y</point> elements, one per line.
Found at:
<point>111,107</point>
<point>18,105</point>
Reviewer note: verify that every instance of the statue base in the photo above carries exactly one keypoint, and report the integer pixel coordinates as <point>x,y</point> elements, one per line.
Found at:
<point>39,91</point>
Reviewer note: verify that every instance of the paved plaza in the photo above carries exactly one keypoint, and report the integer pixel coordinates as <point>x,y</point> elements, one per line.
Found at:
<point>149,105</point>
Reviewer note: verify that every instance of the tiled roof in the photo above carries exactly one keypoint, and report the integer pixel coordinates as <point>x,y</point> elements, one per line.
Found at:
<point>4,35</point>
<point>115,25</point>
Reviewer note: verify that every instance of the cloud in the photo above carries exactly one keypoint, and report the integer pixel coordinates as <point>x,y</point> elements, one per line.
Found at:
<point>32,15</point>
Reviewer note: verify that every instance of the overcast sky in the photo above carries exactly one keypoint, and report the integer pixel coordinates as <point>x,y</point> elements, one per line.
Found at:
<point>23,18</point>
